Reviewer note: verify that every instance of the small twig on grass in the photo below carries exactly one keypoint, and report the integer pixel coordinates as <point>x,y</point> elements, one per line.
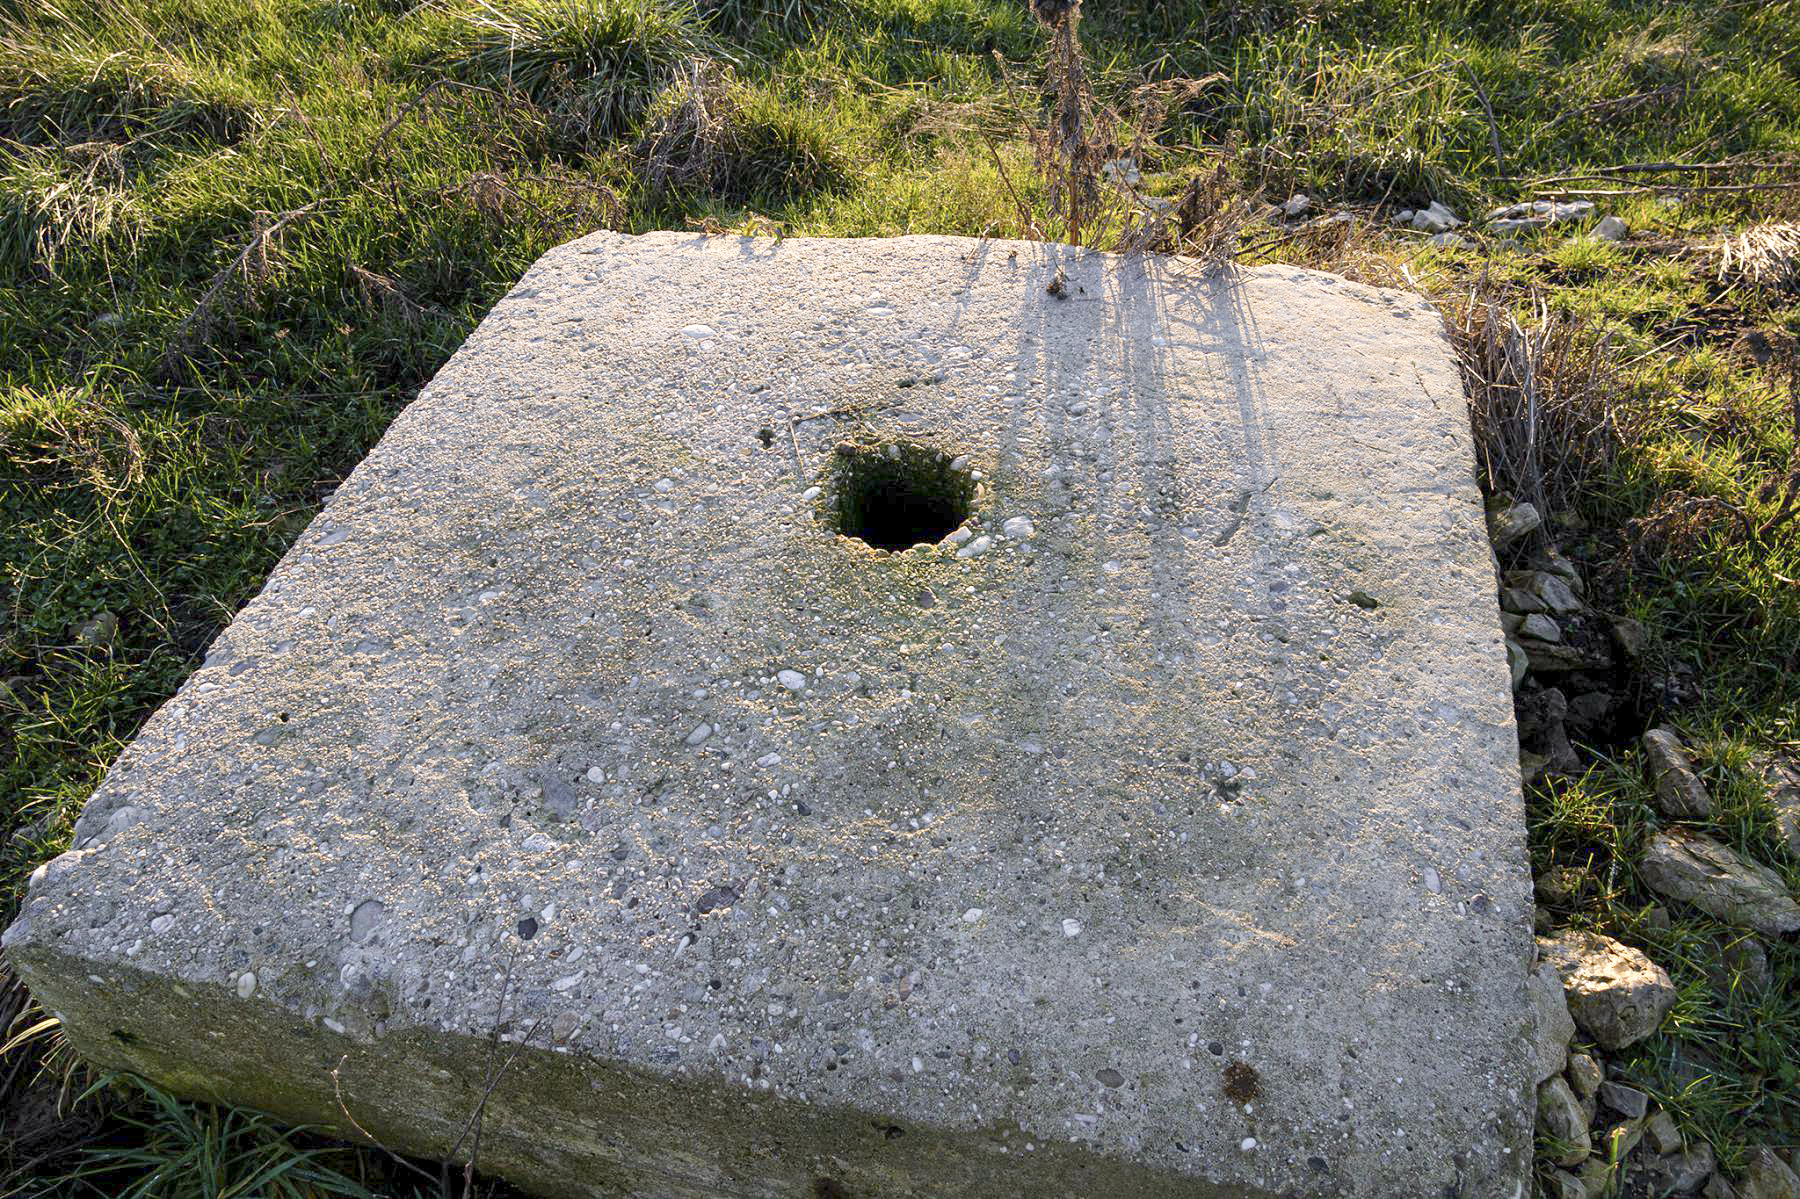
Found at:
<point>1488,109</point>
<point>251,266</point>
<point>337,1088</point>
<point>1651,168</point>
<point>1027,225</point>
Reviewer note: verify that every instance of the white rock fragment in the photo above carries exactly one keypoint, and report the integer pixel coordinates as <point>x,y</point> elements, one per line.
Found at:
<point>976,548</point>
<point>793,680</point>
<point>1535,214</point>
<point>1611,228</point>
<point>1071,927</point>
<point>1435,218</point>
<point>1019,528</point>
<point>701,732</point>
<point>972,915</point>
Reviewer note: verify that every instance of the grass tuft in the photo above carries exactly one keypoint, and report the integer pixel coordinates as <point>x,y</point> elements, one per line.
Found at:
<point>60,89</point>
<point>708,133</point>
<point>596,62</point>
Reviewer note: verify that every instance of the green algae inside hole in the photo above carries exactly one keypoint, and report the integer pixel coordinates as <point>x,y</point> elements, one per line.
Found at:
<point>899,495</point>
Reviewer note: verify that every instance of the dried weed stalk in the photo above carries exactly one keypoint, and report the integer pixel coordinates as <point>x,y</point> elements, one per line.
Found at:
<point>1762,257</point>
<point>235,286</point>
<point>383,293</point>
<point>1543,398</point>
<point>1092,157</point>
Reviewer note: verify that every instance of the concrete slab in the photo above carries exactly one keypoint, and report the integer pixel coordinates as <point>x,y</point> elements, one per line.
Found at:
<point>1157,832</point>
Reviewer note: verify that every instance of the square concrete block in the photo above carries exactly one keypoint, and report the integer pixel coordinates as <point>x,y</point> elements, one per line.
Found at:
<point>1143,820</point>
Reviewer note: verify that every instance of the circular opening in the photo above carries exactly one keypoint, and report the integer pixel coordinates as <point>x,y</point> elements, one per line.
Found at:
<point>897,496</point>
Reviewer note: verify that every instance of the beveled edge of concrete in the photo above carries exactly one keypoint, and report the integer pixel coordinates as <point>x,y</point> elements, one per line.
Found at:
<point>557,1117</point>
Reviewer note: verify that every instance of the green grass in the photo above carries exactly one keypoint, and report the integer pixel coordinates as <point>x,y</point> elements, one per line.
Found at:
<point>236,236</point>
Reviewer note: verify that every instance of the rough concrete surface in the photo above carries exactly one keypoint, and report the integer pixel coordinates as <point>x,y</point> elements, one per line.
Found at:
<point>1167,841</point>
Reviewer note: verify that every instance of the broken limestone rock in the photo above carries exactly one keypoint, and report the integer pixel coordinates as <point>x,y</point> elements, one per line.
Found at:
<point>1564,1185</point>
<point>1660,1130</point>
<point>1784,801</point>
<point>1435,218</point>
<point>1559,1118</point>
<point>1700,871</point>
<point>1003,898</point>
<point>1617,1142</point>
<point>1536,214</point>
<point>1629,637</point>
<point>1542,626</point>
<point>1543,591</point>
<point>1556,657</point>
<point>1627,1101</point>
<point>98,631</point>
<point>1617,995</point>
<point>1766,1176</point>
<point>1678,1173</point>
<point>1551,1026</point>
<point>1679,792</point>
<point>1518,662</point>
<point>1611,228</point>
<point>1507,523</point>
<point>1585,1075</point>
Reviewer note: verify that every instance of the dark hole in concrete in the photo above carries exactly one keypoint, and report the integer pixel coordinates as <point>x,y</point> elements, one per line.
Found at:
<point>897,496</point>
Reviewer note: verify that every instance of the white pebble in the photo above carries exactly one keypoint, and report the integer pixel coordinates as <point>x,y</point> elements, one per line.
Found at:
<point>246,985</point>
<point>793,680</point>
<point>697,331</point>
<point>1019,528</point>
<point>811,493</point>
<point>1071,928</point>
<point>1247,1144</point>
<point>976,548</point>
<point>701,732</point>
<point>972,915</point>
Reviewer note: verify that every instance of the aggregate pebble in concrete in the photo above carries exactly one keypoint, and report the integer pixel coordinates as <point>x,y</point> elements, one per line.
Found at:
<point>1170,843</point>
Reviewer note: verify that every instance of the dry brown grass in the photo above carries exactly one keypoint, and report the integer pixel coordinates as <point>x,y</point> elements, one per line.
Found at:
<point>1544,396</point>
<point>1092,159</point>
<point>1765,256</point>
<point>706,134</point>
<point>688,140</point>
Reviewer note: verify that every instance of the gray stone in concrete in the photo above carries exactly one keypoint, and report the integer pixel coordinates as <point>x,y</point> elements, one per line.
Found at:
<point>1088,865</point>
